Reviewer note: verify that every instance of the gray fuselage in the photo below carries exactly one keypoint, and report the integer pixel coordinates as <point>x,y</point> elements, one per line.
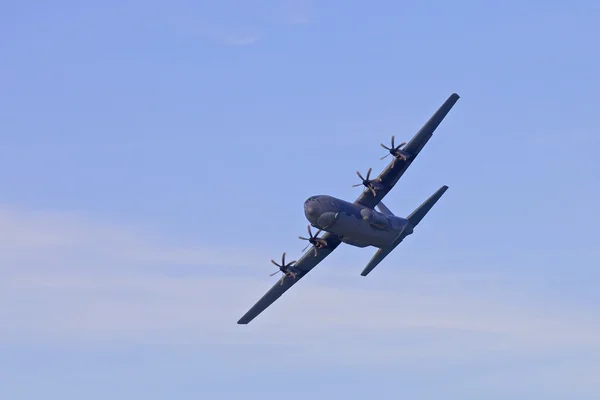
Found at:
<point>354,224</point>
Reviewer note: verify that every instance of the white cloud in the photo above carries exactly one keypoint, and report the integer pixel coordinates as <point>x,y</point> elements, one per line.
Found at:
<point>219,33</point>
<point>300,11</point>
<point>577,377</point>
<point>239,40</point>
<point>27,237</point>
<point>63,279</point>
<point>258,20</point>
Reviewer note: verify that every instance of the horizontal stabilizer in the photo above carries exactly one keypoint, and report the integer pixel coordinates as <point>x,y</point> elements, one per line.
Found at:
<point>414,220</point>
<point>424,208</point>
<point>378,257</point>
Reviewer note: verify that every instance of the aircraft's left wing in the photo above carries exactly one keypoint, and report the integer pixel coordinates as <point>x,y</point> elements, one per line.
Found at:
<point>306,263</point>
<point>395,169</point>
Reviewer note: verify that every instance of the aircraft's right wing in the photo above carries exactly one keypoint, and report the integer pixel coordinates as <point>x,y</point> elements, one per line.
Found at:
<point>306,263</point>
<point>396,168</point>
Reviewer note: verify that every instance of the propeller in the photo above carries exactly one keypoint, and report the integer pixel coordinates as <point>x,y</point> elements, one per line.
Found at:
<point>285,268</point>
<point>395,151</point>
<point>368,183</point>
<point>318,242</point>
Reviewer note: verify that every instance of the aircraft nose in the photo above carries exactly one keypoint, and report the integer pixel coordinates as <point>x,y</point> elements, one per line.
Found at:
<point>310,210</point>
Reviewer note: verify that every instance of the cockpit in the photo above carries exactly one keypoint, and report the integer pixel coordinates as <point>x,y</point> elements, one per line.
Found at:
<point>311,199</point>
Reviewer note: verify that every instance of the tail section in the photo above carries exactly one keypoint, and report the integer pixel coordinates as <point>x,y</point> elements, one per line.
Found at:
<point>414,218</point>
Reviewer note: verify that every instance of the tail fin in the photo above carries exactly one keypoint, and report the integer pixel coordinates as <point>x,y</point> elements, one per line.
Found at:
<point>416,216</point>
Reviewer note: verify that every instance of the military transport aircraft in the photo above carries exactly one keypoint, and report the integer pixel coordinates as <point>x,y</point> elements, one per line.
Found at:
<point>358,224</point>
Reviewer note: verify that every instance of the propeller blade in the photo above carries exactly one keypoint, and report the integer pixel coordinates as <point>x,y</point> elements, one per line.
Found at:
<point>275,273</point>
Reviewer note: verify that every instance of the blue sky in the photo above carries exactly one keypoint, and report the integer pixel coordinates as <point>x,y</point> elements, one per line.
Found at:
<point>155,156</point>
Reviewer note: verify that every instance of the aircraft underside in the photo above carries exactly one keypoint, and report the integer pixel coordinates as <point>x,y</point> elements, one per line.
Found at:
<point>354,225</point>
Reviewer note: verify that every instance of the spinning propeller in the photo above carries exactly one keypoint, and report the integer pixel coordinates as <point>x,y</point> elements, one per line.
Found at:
<point>395,151</point>
<point>285,268</point>
<point>368,183</point>
<point>318,242</point>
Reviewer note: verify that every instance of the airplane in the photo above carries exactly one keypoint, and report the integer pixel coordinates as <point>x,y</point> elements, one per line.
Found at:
<point>358,224</point>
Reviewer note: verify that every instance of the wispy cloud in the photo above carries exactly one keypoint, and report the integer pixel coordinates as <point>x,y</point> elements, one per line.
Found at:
<point>228,38</point>
<point>219,33</point>
<point>228,28</point>
<point>239,40</point>
<point>65,279</point>
<point>299,11</point>
<point>71,240</point>
<point>299,19</point>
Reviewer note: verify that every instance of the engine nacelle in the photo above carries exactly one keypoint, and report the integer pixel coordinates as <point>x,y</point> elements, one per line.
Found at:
<point>374,218</point>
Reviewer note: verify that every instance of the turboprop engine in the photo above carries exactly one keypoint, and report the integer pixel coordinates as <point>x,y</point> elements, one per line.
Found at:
<point>374,218</point>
